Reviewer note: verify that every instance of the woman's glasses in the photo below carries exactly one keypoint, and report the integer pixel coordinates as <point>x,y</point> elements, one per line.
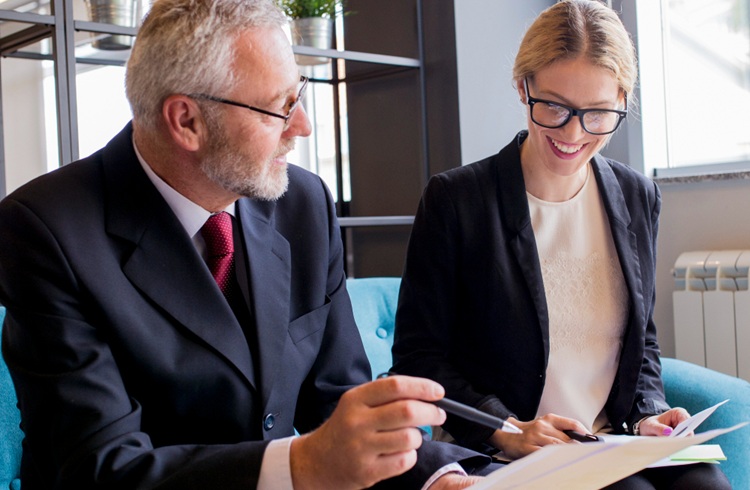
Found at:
<point>553,115</point>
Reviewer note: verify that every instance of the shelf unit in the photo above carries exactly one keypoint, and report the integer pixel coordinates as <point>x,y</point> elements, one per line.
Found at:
<point>60,28</point>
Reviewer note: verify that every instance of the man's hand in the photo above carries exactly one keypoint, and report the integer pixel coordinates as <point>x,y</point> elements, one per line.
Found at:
<point>371,435</point>
<point>536,433</point>
<point>662,425</point>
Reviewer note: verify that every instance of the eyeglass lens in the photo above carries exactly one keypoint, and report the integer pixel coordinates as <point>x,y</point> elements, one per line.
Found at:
<point>300,95</point>
<point>553,115</point>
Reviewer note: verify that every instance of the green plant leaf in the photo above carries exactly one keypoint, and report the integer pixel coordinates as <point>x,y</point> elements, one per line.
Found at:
<point>301,9</point>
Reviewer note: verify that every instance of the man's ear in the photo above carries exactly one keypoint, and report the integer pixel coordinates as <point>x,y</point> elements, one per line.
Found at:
<point>184,121</point>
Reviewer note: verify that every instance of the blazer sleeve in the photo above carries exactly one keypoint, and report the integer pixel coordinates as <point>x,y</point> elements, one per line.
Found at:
<point>427,320</point>
<point>649,396</point>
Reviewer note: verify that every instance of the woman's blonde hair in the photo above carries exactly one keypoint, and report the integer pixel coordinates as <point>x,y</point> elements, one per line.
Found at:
<point>574,28</point>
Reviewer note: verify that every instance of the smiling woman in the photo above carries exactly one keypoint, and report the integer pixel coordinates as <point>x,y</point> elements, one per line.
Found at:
<point>558,333</point>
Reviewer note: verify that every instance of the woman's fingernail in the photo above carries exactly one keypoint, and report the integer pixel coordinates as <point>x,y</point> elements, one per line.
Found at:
<point>667,431</point>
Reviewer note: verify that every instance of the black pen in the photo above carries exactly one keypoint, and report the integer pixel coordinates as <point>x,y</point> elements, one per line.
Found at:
<point>471,413</point>
<point>577,436</point>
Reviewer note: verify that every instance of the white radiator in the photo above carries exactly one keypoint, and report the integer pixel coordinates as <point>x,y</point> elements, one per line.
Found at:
<point>712,310</point>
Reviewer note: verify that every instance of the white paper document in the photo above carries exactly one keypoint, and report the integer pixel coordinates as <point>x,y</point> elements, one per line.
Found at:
<point>689,425</point>
<point>589,465</point>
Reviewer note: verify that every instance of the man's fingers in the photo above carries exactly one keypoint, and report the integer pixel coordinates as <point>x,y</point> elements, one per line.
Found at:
<point>392,388</point>
<point>407,413</point>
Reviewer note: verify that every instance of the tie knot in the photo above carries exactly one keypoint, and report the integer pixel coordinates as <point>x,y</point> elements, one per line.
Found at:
<point>217,232</point>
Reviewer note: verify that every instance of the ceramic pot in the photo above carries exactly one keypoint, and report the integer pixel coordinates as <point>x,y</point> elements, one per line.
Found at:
<point>117,12</point>
<point>313,31</point>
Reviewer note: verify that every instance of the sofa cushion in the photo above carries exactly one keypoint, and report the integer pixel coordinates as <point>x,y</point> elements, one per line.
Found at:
<point>695,388</point>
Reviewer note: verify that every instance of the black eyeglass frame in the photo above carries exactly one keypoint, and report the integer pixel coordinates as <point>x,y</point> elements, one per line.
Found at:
<point>300,95</point>
<point>572,112</point>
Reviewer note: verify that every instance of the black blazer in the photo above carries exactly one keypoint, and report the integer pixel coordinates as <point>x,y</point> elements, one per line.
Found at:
<point>131,369</point>
<point>472,311</point>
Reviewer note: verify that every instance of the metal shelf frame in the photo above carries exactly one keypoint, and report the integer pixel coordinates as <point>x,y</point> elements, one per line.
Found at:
<point>60,28</point>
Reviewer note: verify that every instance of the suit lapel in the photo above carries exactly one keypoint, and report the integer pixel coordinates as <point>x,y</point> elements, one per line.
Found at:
<point>514,213</point>
<point>269,275</point>
<point>164,264</point>
<point>624,238</point>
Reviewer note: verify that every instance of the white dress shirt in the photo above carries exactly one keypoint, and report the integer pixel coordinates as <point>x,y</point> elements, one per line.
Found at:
<point>587,302</point>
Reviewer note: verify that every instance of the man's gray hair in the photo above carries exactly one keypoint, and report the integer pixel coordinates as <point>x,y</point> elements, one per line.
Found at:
<point>187,46</point>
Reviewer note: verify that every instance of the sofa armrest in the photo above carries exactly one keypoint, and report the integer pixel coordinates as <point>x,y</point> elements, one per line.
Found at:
<point>695,388</point>
<point>10,430</point>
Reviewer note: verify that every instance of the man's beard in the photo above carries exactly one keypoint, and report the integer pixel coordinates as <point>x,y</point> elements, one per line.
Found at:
<point>239,174</point>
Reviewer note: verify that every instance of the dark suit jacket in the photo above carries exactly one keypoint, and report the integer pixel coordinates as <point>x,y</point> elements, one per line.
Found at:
<point>472,311</point>
<point>131,369</point>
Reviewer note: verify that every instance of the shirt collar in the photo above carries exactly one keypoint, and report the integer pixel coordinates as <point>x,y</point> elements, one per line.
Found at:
<point>191,215</point>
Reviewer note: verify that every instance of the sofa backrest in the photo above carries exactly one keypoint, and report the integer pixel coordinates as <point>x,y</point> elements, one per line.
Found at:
<point>374,302</point>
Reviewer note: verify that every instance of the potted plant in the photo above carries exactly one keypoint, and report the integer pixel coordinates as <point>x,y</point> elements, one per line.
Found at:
<point>312,24</point>
<point>118,12</point>
<point>306,9</point>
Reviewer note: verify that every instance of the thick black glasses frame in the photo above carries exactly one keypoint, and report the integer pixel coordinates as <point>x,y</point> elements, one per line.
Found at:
<point>304,80</point>
<point>573,112</point>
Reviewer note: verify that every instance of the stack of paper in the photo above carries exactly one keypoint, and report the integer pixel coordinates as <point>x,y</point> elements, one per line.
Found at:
<point>597,464</point>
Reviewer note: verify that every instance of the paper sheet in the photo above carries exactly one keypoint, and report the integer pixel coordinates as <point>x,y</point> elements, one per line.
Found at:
<point>588,466</point>
<point>704,453</point>
<point>689,425</point>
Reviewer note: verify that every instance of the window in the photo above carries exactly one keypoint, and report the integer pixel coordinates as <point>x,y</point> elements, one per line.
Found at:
<point>695,84</point>
<point>102,107</point>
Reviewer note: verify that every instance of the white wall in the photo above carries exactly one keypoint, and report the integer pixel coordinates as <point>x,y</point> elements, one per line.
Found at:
<point>698,216</point>
<point>23,121</point>
<point>488,33</point>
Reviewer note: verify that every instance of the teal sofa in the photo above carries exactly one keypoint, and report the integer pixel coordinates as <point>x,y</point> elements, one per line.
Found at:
<point>686,385</point>
<point>10,431</point>
<point>374,302</point>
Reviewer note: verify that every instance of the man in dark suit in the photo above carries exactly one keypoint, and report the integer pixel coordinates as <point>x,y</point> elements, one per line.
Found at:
<point>145,358</point>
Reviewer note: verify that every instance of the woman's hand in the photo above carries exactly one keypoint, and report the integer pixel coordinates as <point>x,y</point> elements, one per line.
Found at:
<point>662,425</point>
<point>536,433</point>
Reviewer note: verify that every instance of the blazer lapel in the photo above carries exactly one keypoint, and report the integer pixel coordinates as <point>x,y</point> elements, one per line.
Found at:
<point>623,236</point>
<point>269,275</point>
<point>514,213</point>
<point>164,264</point>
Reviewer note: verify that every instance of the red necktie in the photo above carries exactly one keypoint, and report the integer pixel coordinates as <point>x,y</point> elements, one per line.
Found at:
<point>217,232</point>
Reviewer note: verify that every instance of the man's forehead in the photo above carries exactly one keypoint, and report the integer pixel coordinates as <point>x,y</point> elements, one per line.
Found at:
<point>265,54</point>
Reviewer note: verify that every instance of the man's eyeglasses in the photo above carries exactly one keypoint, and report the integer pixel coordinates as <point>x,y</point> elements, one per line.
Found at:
<point>553,115</point>
<point>303,81</point>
